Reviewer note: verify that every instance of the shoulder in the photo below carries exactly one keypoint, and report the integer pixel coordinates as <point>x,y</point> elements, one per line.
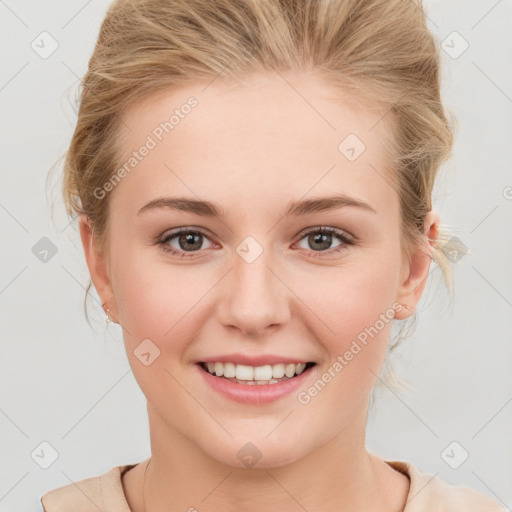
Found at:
<point>103,492</point>
<point>429,493</point>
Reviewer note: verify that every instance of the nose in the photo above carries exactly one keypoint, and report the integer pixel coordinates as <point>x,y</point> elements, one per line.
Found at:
<point>254,298</point>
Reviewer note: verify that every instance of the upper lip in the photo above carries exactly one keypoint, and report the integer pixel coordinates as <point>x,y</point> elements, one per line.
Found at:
<point>261,360</point>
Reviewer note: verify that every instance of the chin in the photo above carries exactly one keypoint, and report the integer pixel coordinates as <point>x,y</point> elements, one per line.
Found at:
<point>260,453</point>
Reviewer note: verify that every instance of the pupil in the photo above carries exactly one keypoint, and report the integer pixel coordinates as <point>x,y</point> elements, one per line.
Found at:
<point>322,239</point>
<point>189,238</point>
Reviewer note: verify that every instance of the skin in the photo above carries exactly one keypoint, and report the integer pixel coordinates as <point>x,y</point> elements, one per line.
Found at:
<point>251,150</point>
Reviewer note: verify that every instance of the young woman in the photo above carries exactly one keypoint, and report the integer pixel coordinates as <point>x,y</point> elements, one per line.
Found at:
<point>253,182</point>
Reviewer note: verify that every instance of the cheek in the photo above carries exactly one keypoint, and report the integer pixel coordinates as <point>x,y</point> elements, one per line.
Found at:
<point>160,301</point>
<point>355,303</point>
<point>158,307</point>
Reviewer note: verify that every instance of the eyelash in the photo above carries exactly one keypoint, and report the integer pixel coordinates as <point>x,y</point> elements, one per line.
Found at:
<point>324,230</point>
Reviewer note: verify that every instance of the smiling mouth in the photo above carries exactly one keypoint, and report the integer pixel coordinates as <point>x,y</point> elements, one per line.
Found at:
<point>262,375</point>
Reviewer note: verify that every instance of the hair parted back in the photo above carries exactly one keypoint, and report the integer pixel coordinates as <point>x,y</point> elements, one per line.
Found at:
<point>377,51</point>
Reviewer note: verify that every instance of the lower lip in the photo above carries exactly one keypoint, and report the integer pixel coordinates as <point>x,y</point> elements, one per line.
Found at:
<point>256,394</point>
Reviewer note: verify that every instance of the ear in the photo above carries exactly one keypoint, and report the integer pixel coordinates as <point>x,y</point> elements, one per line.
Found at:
<point>415,271</point>
<point>97,263</point>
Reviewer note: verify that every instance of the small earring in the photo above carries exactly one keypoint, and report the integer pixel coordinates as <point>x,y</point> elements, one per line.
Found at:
<point>107,311</point>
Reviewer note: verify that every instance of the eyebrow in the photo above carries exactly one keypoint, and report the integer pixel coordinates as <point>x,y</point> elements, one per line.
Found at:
<point>298,208</point>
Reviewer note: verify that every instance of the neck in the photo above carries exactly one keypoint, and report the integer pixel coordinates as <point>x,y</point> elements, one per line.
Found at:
<point>340,475</point>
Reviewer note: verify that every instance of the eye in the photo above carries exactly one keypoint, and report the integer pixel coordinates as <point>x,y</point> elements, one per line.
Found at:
<point>190,240</point>
<point>187,240</point>
<point>320,240</point>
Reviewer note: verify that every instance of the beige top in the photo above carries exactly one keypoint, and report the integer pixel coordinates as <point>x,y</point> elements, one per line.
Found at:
<point>427,493</point>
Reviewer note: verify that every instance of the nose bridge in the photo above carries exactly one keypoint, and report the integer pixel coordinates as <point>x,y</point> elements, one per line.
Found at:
<point>253,297</point>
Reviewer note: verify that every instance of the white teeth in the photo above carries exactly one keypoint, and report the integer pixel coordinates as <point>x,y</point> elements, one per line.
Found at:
<point>219,369</point>
<point>255,375</point>
<point>243,372</point>
<point>300,368</point>
<point>278,370</point>
<point>229,370</point>
<point>262,372</point>
<point>289,371</point>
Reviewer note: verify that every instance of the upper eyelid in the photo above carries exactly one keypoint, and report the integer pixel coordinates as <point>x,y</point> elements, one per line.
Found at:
<point>331,229</point>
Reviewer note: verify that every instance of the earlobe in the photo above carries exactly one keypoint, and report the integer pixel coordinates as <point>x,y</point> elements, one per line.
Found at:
<point>96,262</point>
<point>418,269</point>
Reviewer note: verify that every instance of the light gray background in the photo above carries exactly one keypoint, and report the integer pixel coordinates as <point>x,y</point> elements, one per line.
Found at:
<point>69,386</point>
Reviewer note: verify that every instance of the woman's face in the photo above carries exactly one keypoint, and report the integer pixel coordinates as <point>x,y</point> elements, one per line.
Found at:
<point>254,279</point>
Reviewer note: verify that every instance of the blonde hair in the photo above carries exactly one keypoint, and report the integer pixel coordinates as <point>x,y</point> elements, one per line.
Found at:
<point>379,51</point>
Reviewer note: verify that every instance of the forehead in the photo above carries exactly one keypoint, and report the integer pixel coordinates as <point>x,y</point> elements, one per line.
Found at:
<point>271,135</point>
